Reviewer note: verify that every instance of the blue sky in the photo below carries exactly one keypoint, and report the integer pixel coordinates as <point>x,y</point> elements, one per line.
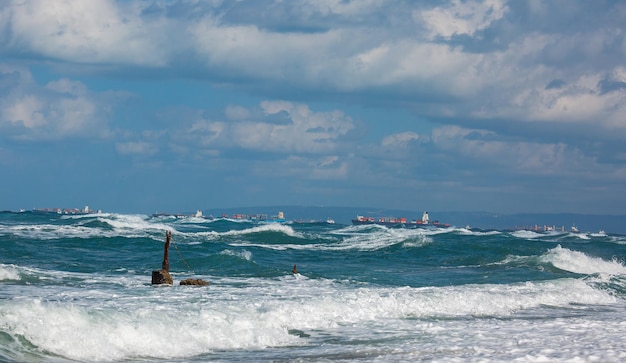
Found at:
<point>144,106</point>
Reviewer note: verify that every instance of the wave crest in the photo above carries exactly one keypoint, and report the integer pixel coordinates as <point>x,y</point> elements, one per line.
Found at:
<point>578,262</point>
<point>9,272</point>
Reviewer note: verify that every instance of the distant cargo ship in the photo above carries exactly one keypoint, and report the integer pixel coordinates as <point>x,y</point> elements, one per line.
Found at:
<point>399,222</point>
<point>198,214</point>
<point>66,211</point>
<point>280,218</point>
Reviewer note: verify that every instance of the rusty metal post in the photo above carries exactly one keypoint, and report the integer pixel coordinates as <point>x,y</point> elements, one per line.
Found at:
<point>166,262</point>
<point>163,276</point>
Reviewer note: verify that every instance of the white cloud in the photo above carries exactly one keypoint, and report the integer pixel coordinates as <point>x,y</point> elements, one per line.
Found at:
<point>247,50</point>
<point>462,17</point>
<point>535,158</point>
<point>399,140</point>
<point>97,31</point>
<point>308,132</point>
<point>298,130</point>
<point>416,69</point>
<point>62,108</point>
<point>364,48</point>
<point>580,100</point>
<point>27,110</point>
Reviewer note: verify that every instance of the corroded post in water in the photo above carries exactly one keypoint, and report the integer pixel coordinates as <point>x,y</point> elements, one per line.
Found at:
<point>166,261</point>
<point>162,276</point>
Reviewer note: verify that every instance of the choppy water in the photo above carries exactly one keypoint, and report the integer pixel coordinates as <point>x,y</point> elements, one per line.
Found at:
<point>78,289</point>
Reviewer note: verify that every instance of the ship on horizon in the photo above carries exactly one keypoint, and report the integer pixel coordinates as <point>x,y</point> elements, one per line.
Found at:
<point>66,211</point>
<point>197,214</point>
<point>399,222</point>
<point>279,218</point>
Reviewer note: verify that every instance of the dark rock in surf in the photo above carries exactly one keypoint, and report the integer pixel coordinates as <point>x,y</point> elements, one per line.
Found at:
<point>196,282</point>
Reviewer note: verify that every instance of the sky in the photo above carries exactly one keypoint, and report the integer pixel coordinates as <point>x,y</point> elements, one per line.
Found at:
<point>478,105</point>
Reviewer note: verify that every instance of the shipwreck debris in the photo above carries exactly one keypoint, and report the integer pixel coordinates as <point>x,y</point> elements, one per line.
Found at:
<point>162,276</point>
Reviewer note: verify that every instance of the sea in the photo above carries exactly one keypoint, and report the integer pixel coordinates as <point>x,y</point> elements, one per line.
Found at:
<point>77,288</point>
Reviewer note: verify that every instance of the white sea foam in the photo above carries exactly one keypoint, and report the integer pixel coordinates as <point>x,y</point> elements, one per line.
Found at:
<point>277,247</point>
<point>266,227</point>
<point>122,225</point>
<point>597,235</point>
<point>269,227</point>
<point>620,240</point>
<point>526,234</point>
<point>380,237</point>
<point>179,322</point>
<point>195,220</point>
<point>367,228</point>
<point>56,278</point>
<point>579,235</point>
<point>9,272</point>
<point>385,238</point>
<point>211,235</point>
<point>350,229</point>
<point>374,240</point>
<point>578,262</point>
<point>468,232</point>
<point>246,255</point>
<point>125,223</point>
<point>50,231</point>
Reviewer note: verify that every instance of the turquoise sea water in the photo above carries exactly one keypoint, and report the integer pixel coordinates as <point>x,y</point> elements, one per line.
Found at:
<point>77,288</point>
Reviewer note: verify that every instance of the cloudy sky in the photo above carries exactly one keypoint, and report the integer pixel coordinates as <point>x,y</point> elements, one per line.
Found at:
<point>477,105</point>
